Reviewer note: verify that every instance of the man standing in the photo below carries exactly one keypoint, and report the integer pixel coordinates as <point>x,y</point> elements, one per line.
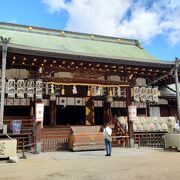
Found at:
<point>108,139</point>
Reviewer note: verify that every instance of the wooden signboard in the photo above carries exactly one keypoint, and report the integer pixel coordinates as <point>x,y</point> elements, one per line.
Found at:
<point>39,112</point>
<point>132,113</point>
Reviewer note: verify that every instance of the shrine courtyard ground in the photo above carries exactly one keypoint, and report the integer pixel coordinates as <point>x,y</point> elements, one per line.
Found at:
<point>124,164</point>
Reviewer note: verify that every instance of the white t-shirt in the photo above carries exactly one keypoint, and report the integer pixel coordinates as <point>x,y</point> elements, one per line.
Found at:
<point>108,130</point>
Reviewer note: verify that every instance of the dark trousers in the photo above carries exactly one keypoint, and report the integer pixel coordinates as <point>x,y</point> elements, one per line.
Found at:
<point>108,145</point>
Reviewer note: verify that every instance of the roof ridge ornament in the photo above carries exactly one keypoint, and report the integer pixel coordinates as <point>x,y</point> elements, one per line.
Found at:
<point>138,44</point>
<point>119,40</point>
<point>4,40</point>
<point>62,33</point>
<point>30,28</point>
<point>92,36</point>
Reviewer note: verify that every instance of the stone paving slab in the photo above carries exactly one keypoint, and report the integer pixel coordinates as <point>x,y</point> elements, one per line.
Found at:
<point>116,152</point>
<point>124,164</point>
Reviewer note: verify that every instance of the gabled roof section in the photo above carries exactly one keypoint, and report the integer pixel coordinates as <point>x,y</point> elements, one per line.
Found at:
<point>57,41</point>
<point>169,91</point>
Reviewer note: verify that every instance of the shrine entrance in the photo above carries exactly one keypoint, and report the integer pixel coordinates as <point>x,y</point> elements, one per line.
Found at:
<point>98,116</point>
<point>70,115</point>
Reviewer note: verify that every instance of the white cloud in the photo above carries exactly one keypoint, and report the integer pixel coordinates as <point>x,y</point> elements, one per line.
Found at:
<point>55,5</point>
<point>143,25</point>
<point>138,19</point>
<point>98,17</point>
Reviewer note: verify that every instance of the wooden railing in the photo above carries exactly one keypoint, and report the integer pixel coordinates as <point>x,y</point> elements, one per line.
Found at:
<point>55,138</point>
<point>54,144</point>
<point>26,135</point>
<point>27,147</point>
<point>149,139</point>
<point>121,138</point>
<point>27,123</point>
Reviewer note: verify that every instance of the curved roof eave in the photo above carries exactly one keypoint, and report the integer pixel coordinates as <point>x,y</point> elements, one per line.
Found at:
<point>86,57</point>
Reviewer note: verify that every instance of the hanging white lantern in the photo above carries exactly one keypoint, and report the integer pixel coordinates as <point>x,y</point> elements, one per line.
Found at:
<point>20,88</point>
<point>155,94</point>
<point>149,94</point>
<point>39,89</point>
<point>11,88</point>
<point>30,88</point>
<point>142,92</point>
<point>136,94</point>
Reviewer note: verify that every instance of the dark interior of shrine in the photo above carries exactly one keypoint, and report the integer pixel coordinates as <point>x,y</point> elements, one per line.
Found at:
<point>17,111</point>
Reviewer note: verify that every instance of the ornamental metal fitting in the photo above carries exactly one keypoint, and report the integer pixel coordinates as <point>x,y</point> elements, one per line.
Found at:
<point>4,40</point>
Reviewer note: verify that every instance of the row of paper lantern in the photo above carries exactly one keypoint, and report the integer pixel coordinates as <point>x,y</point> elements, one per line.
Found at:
<point>33,87</point>
<point>20,88</point>
<point>144,94</point>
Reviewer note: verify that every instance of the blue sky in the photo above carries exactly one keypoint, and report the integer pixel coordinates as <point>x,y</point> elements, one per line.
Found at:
<point>156,23</point>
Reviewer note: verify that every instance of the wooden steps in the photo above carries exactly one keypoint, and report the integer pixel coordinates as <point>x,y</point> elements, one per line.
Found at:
<point>50,132</point>
<point>26,132</point>
<point>119,133</point>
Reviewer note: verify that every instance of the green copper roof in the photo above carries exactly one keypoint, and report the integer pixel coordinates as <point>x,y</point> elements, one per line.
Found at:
<point>57,41</point>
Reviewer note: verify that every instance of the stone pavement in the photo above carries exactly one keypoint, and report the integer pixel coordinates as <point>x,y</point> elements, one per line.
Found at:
<point>117,152</point>
<point>124,164</point>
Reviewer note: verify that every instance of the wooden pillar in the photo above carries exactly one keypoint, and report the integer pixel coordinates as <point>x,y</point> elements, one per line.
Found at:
<point>130,123</point>
<point>38,137</point>
<point>89,111</point>
<point>148,109</point>
<point>32,108</point>
<point>4,42</point>
<point>106,111</point>
<point>106,106</point>
<point>38,126</point>
<point>177,63</point>
<point>32,117</point>
<point>52,110</point>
